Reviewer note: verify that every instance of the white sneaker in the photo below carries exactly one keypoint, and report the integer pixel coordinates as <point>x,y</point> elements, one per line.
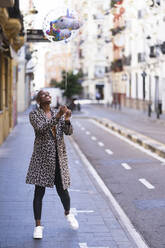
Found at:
<point>38,232</point>
<point>72,221</point>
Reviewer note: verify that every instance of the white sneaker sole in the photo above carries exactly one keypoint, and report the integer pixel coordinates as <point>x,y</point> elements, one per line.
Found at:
<point>37,237</point>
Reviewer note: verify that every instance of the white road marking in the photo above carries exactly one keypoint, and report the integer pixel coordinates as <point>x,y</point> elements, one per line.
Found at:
<point>76,162</point>
<point>148,152</point>
<point>74,190</point>
<point>146,183</point>
<point>81,191</point>
<point>109,151</point>
<point>88,133</point>
<point>75,211</point>
<point>84,245</point>
<point>118,211</point>
<point>93,138</point>
<point>82,128</point>
<point>126,166</point>
<point>100,144</point>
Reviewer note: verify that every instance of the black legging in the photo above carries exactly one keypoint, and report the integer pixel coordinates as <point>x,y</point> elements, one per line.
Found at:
<point>40,191</point>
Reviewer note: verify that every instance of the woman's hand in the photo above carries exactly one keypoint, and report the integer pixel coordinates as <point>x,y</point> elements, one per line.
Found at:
<point>68,115</point>
<point>61,111</point>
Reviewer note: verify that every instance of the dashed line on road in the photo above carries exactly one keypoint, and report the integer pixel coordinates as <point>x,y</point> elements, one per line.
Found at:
<point>109,151</point>
<point>81,191</point>
<point>93,138</point>
<point>126,166</point>
<point>84,245</point>
<point>146,183</point>
<point>88,133</point>
<point>162,160</point>
<point>76,211</point>
<point>83,128</point>
<point>100,144</point>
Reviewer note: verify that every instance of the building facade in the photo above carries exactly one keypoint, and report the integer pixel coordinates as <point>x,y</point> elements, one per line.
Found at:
<point>144,52</point>
<point>91,50</point>
<point>11,40</point>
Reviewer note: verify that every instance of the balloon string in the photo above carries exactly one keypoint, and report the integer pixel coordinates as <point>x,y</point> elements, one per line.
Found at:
<point>66,79</point>
<point>66,67</point>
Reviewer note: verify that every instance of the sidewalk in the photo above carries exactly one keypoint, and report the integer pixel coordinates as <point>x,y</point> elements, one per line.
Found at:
<point>133,124</point>
<point>98,225</point>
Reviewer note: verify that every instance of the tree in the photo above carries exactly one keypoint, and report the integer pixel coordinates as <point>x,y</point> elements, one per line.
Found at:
<point>54,83</point>
<point>72,87</point>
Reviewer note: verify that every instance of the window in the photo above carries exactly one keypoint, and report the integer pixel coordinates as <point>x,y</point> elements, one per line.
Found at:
<point>1,92</point>
<point>6,82</point>
<point>139,14</point>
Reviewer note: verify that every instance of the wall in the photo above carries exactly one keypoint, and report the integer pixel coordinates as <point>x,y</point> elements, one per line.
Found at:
<point>6,97</point>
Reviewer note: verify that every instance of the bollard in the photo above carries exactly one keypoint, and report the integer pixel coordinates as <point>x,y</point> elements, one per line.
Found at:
<point>149,110</point>
<point>157,113</point>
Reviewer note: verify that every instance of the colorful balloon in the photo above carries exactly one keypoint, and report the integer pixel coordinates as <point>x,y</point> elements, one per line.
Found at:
<point>64,22</point>
<point>61,27</point>
<point>58,34</point>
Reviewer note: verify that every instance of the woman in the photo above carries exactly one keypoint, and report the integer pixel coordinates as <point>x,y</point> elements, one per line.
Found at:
<point>48,165</point>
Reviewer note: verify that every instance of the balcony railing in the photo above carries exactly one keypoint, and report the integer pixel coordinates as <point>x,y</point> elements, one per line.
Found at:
<point>154,51</point>
<point>127,60</point>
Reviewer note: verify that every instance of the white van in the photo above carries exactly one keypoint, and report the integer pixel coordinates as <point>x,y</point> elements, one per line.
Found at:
<point>56,94</point>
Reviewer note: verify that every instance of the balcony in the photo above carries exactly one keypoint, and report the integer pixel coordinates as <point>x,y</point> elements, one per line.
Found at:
<point>117,30</point>
<point>12,26</point>
<point>117,65</point>
<point>114,2</point>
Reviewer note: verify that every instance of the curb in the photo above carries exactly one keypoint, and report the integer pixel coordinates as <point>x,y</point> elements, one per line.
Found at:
<point>146,142</point>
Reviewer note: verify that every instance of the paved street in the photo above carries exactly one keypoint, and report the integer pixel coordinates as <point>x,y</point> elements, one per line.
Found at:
<point>133,119</point>
<point>98,225</point>
<point>134,178</point>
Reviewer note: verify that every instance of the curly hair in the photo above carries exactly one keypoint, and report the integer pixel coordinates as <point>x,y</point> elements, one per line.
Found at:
<point>37,98</point>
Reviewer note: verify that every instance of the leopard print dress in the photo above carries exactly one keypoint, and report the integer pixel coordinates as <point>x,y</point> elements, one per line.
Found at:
<point>42,166</point>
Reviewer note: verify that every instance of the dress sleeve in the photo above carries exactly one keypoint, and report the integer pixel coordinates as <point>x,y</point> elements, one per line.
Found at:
<point>42,125</point>
<point>67,127</point>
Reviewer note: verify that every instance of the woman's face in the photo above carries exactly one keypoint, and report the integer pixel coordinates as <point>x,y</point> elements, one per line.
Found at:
<point>44,97</point>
